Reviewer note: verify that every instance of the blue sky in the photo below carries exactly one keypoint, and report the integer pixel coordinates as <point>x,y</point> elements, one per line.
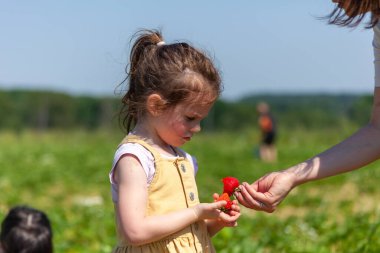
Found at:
<point>82,47</point>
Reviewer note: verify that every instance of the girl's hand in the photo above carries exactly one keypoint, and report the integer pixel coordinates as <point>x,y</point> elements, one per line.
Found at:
<point>205,211</point>
<point>230,218</point>
<point>211,211</point>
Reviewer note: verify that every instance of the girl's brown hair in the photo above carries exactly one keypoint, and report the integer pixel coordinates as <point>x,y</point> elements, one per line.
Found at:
<point>357,10</point>
<point>175,71</point>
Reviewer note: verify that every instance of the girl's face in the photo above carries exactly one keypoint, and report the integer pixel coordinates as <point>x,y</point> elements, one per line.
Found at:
<point>177,125</point>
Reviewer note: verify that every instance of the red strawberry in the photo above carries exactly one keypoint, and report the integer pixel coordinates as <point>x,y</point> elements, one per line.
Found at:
<point>225,197</point>
<point>231,185</point>
<point>228,205</point>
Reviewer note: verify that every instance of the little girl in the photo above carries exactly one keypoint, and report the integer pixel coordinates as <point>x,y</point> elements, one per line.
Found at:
<point>171,89</point>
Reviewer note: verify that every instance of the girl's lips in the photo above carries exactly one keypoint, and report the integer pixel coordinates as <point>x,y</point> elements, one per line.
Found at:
<point>187,138</point>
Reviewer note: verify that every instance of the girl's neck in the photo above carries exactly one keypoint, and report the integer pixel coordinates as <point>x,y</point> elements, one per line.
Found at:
<point>154,140</point>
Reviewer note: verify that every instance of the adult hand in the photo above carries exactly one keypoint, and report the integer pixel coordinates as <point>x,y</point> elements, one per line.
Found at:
<point>267,192</point>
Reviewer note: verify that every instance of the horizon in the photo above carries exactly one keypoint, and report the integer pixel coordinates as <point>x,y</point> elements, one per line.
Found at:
<point>242,97</point>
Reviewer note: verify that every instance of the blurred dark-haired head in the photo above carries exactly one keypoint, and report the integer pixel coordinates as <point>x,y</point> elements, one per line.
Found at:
<point>26,230</point>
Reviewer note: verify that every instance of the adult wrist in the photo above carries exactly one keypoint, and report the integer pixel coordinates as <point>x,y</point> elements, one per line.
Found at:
<point>300,173</point>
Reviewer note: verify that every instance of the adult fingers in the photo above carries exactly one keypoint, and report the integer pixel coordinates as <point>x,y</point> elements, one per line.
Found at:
<point>250,198</point>
<point>261,200</point>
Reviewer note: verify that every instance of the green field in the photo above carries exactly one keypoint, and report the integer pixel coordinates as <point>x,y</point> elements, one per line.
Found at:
<point>66,175</point>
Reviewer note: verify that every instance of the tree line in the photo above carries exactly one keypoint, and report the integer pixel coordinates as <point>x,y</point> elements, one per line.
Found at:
<point>43,110</point>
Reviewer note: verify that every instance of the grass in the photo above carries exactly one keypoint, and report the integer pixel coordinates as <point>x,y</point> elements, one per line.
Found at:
<point>66,175</point>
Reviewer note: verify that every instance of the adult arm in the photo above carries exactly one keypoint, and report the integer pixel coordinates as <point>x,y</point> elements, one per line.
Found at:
<point>358,150</point>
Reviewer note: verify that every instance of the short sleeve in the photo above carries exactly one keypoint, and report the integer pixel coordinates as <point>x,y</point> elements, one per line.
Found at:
<point>145,158</point>
<point>194,161</point>
<point>143,155</point>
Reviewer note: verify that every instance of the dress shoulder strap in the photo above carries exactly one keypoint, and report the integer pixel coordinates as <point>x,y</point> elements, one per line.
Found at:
<point>136,139</point>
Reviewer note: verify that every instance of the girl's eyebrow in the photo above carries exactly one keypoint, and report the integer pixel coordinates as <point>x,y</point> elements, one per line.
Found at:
<point>196,114</point>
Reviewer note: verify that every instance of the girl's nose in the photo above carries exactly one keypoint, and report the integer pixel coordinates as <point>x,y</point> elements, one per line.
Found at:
<point>196,128</point>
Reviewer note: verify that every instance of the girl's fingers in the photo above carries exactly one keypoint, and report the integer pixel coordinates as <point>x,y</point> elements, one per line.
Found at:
<point>235,205</point>
<point>215,196</point>
<point>226,218</point>
<point>229,217</point>
<point>218,204</point>
<point>231,224</point>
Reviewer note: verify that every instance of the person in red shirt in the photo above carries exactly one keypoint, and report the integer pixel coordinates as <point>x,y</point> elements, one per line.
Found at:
<point>268,151</point>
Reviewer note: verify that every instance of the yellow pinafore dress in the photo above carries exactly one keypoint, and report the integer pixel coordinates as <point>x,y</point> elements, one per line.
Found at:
<point>172,188</point>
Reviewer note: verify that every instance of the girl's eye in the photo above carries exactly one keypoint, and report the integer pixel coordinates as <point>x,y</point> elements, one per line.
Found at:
<point>190,118</point>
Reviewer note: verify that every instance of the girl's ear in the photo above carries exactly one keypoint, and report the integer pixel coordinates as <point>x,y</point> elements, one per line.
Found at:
<point>155,104</point>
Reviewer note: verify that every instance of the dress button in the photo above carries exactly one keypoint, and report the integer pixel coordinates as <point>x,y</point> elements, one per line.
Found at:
<point>183,168</point>
<point>191,195</point>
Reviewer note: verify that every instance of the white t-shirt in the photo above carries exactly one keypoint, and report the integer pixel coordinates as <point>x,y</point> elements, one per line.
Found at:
<point>376,52</point>
<point>146,160</point>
